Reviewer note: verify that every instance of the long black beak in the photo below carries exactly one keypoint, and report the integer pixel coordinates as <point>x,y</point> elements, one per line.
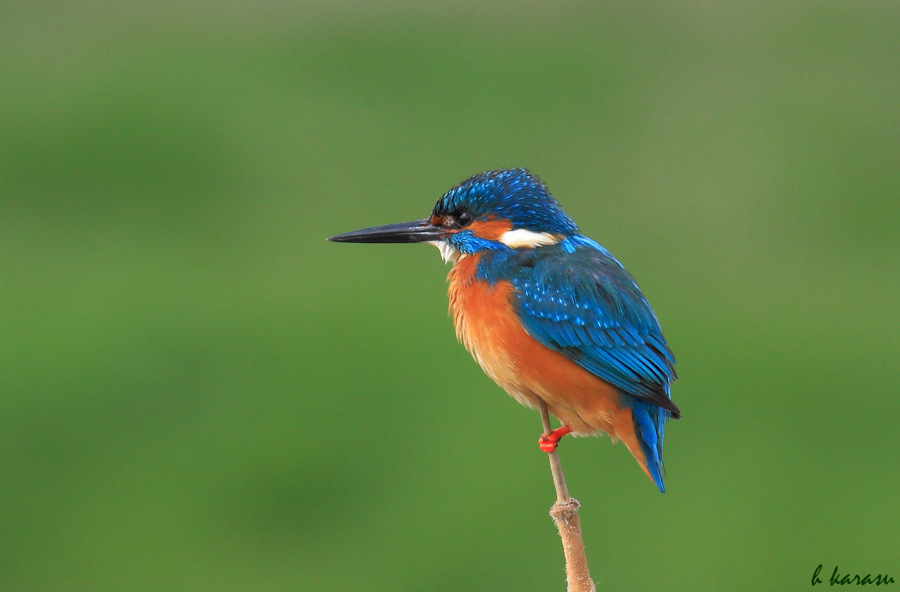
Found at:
<point>418,231</point>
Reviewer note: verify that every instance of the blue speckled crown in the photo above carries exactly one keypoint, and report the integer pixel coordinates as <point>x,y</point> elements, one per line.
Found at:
<point>512,194</point>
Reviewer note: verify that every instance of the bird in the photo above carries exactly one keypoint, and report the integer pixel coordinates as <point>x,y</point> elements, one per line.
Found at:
<point>548,314</point>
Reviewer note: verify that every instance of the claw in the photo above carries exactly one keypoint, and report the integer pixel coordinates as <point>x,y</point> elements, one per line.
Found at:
<point>548,442</point>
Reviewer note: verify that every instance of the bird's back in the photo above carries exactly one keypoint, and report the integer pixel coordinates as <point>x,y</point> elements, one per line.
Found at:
<point>567,324</point>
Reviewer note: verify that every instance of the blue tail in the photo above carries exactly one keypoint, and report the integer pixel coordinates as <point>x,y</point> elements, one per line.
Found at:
<point>649,425</point>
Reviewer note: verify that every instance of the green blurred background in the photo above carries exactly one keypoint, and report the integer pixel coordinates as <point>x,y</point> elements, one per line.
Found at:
<point>198,392</point>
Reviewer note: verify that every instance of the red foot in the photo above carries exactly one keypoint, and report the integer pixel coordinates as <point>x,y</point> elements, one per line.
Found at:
<point>548,442</point>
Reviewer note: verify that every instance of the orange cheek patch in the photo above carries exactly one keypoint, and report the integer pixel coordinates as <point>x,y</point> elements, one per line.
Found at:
<point>490,229</point>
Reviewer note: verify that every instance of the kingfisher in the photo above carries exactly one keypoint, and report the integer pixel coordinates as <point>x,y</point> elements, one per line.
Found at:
<point>548,314</point>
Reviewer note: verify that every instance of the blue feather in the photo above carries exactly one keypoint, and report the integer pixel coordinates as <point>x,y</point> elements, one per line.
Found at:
<point>648,425</point>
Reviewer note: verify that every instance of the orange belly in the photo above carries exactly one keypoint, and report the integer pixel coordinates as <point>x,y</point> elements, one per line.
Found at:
<point>488,326</point>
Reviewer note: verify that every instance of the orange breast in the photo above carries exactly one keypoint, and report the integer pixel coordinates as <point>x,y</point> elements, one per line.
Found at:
<point>486,323</point>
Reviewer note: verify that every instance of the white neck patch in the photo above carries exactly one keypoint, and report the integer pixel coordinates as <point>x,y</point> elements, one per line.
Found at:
<point>449,253</point>
<point>516,239</point>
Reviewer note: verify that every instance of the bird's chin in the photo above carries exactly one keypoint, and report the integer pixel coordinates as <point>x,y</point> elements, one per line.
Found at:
<point>449,253</point>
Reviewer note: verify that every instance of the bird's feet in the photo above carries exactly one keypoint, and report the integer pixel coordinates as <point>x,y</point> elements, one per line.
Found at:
<point>548,442</point>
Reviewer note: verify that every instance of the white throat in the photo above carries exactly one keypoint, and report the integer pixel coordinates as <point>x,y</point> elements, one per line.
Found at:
<point>449,253</point>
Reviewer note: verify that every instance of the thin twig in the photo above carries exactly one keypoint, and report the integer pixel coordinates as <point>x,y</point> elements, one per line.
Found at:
<point>565,515</point>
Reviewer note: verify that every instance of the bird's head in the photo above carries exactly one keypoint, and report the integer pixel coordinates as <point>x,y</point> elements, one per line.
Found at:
<point>496,210</point>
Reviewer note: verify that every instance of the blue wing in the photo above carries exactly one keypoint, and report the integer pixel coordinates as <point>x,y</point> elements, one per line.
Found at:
<point>578,300</point>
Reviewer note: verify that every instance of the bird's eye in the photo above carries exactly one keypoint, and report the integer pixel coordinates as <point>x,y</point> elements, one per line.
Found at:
<point>464,218</point>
